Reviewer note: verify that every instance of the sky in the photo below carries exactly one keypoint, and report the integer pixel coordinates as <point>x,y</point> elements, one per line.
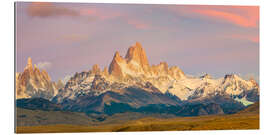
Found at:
<point>65,38</point>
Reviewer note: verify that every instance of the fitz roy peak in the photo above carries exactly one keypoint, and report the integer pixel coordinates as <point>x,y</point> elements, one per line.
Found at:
<point>136,64</point>
<point>130,83</point>
<point>134,70</point>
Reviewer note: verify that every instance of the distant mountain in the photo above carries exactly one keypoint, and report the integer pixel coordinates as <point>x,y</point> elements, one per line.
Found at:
<point>35,83</point>
<point>130,84</point>
<point>134,70</point>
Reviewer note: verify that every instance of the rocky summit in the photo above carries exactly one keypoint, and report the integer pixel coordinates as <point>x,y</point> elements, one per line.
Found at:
<point>135,64</point>
<point>132,84</point>
<point>35,83</point>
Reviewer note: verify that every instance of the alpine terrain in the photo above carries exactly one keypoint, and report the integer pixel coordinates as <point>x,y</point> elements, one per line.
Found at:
<point>129,89</point>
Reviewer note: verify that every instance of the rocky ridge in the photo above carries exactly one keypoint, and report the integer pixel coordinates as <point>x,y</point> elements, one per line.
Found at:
<point>131,71</point>
<point>134,70</point>
<point>35,83</point>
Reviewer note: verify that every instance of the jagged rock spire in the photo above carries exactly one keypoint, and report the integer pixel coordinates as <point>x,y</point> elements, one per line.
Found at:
<point>29,62</point>
<point>96,69</point>
<point>114,68</point>
<point>136,63</point>
<point>137,54</point>
<point>42,86</point>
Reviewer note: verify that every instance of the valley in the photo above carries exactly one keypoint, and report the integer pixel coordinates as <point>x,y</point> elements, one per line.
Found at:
<point>150,123</point>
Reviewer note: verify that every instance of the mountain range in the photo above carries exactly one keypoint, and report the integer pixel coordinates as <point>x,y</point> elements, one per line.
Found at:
<point>131,84</point>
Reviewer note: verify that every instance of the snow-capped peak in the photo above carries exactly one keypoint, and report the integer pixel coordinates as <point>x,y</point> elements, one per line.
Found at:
<point>134,70</point>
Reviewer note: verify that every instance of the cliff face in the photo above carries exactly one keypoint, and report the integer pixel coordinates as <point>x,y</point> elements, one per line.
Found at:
<point>136,64</point>
<point>35,83</point>
<point>114,68</point>
<point>132,84</point>
<point>134,70</point>
<point>137,56</point>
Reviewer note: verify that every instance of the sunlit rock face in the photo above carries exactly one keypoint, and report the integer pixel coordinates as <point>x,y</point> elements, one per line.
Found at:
<point>135,64</point>
<point>134,70</point>
<point>35,83</point>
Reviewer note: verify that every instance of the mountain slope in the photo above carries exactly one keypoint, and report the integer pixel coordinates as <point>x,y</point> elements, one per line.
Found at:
<point>134,70</point>
<point>126,99</point>
<point>131,84</point>
<point>37,104</point>
<point>35,83</point>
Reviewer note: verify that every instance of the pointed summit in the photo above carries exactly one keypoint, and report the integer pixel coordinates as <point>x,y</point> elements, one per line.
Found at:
<point>136,64</point>
<point>137,54</point>
<point>117,54</point>
<point>117,57</point>
<point>96,69</point>
<point>114,67</point>
<point>34,83</point>
<point>29,63</point>
<point>138,45</point>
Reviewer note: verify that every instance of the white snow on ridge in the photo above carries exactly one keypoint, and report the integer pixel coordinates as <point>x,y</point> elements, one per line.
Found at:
<point>186,86</point>
<point>244,101</point>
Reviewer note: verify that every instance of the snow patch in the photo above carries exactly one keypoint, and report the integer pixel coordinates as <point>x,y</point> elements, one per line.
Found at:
<point>244,101</point>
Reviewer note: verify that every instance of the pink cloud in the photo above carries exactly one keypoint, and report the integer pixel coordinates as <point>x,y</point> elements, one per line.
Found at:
<point>100,14</point>
<point>138,24</point>
<point>105,15</point>
<point>252,38</point>
<point>46,9</point>
<point>255,39</point>
<point>243,16</point>
<point>229,17</point>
